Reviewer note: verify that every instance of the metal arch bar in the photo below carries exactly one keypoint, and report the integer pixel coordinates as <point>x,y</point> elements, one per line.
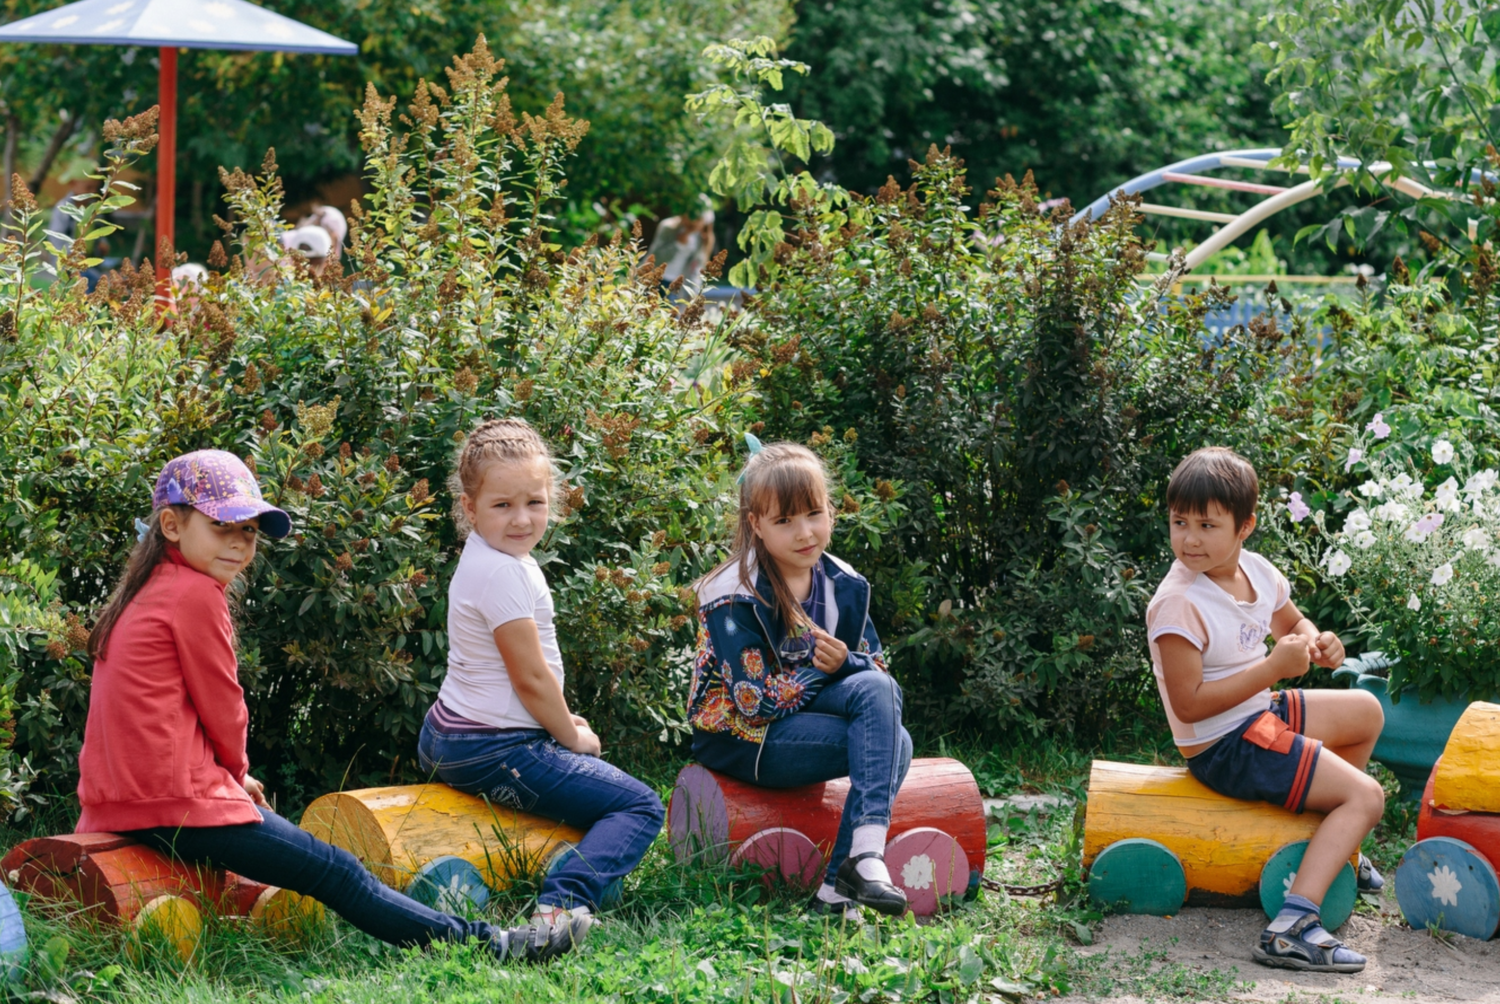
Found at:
<point>1154,209</point>
<point>1226,183</point>
<point>1193,165</point>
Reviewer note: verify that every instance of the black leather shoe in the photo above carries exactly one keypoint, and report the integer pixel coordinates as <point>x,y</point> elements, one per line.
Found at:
<point>846,911</point>
<point>879,896</point>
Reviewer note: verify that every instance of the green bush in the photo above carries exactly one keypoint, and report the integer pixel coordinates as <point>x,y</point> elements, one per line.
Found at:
<point>349,396</point>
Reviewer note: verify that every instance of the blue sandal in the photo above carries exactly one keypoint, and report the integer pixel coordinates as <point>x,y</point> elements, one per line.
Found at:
<point>1307,947</point>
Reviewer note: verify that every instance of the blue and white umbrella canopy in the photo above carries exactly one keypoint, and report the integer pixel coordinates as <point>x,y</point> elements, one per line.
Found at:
<point>181,24</point>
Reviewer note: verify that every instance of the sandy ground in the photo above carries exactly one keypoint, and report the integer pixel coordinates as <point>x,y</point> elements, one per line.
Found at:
<point>1404,965</point>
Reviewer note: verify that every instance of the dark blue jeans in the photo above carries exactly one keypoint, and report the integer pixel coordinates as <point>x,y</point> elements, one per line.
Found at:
<point>530,771</point>
<point>852,729</point>
<point>277,853</point>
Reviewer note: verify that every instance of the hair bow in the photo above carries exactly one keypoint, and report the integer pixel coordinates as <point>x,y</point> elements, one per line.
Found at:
<point>141,529</point>
<point>754,446</point>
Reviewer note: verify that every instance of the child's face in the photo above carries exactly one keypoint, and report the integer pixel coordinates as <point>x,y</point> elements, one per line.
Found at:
<point>794,540</point>
<point>219,550</point>
<point>1208,541</point>
<point>510,509</point>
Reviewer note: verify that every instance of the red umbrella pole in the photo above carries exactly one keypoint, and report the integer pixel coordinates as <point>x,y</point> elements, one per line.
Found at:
<point>166,161</point>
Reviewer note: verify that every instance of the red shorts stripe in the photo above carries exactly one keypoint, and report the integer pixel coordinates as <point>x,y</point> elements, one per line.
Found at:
<point>1304,774</point>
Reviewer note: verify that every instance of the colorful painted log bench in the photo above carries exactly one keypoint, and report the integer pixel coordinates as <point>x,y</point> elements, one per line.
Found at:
<point>936,850</point>
<point>1156,839</point>
<point>439,845</point>
<point>131,884</point>
<point>1447,878</point>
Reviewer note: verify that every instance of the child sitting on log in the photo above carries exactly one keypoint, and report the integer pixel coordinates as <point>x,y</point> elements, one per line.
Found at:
<point>500,726</point>
<point>163,757</point>
<point>1207,626</point>
<point>789,686</point>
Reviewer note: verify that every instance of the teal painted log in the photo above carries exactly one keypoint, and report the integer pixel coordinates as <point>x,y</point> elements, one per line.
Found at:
<point>1138,876</point>
<point>1279,872</point>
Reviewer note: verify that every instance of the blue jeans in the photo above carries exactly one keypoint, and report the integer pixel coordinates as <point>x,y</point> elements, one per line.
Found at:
<point>277,853</point>
<point>852,729</point>
<point>532,772</point>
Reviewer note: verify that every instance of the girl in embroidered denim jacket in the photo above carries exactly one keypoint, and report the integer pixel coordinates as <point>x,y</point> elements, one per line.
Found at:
<point>755,639</point>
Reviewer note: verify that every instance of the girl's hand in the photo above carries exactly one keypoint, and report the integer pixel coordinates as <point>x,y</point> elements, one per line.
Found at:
<point>1288,660</point>
<point>830,654</point>
<point>580,720</point>
<point>256,791</point>
<point>586,743</point>
<point>1327,650</point>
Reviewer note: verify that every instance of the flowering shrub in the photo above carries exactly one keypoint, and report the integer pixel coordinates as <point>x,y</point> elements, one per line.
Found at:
<point>1416,558</point>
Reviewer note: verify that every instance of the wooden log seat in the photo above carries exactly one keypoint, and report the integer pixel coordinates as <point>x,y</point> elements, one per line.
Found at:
<point>398,831</point>
<point>1146,825</point>
<point>1448,879</point>
<point>936,846</point>
<point>129,883</point>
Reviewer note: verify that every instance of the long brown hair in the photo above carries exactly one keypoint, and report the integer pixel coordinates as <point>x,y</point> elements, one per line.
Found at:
<point>782,478</point>
<point>499,440</point>
<point>149,551</point>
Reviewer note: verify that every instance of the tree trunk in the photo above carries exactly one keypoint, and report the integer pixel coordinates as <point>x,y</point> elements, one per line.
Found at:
<point>8,164</point>
<point>59,138</point>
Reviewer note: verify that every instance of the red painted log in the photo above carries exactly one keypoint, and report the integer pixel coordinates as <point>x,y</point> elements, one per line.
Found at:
<point>117,877</point>
<point>712,816</point>
<point>1480,829</point>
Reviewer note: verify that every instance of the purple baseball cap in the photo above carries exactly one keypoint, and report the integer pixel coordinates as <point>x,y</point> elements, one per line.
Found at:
<point>220,486</point>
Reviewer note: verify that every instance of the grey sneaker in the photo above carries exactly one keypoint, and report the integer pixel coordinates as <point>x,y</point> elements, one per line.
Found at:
<point>1367,879</point>
<point>537,942</point>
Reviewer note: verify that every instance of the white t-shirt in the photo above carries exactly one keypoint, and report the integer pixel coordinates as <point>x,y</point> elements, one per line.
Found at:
<point>489,589</point>
<point>1230,633</point>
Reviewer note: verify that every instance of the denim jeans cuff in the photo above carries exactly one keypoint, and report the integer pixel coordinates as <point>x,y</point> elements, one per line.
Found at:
<point>873,821</point>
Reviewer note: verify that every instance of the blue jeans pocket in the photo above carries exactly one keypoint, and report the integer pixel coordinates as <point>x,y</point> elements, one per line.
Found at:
<point>481,764</point>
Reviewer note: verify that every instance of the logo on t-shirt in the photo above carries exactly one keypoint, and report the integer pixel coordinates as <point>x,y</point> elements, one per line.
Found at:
<point>1253,636</point>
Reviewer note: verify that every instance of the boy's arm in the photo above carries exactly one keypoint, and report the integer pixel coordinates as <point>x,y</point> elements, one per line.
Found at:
<point>1324,648</point>
<point>1194,700</point>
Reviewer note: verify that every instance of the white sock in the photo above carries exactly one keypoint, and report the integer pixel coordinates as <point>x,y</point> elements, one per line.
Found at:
<point>827,894</point>
<point>867,838</point>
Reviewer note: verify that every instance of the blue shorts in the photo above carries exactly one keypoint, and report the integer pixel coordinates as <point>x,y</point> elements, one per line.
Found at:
<point>1266,758</point>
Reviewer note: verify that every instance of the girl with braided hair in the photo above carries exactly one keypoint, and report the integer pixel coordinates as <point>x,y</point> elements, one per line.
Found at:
<point>500,726</point>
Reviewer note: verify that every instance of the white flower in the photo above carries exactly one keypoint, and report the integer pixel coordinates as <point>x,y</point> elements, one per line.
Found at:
<point>1356,521</point>
<point>1476,539</point>
<point>1364,540</point>
<point>1494,558</point>
<point>1402,485</point>
<point>1355,456</point>
<point>1446,496</point>
<point>1442,451</point>
<point>1415,534</point>
<point>1442,574</point>
<point>1371,489</point>
<point>1481,482</point>
<point>1338,563</point>
<point>1478,508</point>
<point>1378,427</point>
<point>1445,885</point>
<point>1413,602</point>
<point>1391,512</point>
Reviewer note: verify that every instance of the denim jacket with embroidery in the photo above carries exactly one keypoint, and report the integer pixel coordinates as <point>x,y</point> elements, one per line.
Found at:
<point>740,684</point>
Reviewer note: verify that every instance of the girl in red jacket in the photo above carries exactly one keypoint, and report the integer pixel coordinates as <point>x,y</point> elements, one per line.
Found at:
<point>163,756</point>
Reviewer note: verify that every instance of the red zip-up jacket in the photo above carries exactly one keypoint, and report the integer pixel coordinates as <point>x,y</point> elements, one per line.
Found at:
<point>165,739</point>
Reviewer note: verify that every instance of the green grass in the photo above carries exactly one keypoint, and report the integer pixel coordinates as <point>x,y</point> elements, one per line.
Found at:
<point>684,935</point>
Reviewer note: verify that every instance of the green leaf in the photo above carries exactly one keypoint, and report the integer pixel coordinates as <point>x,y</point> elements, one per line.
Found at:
<point>970,966</point>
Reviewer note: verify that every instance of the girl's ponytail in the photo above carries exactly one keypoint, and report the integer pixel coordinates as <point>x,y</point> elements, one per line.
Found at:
<point>148,552</point>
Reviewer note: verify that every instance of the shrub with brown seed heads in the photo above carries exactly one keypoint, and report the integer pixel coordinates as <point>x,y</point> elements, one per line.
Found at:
<point>638,643</point>
<point>884,490</point>
<point>330,530</point>
<point>420,492</point>
<point>635,596</point>
<point>315,486</point>
<point>661,568</point>
<point>677,622</point>
<point>393,463</point>
<point>524,389</point>
<point>620,578</point>
<point>361,545</point>
<point>600,573</point>
<point>851,505</point>
<point>313,449</point>
<point>344,451</point>
<point>344,562</point>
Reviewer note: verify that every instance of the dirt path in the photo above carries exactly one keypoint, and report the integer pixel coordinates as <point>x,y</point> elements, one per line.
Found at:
<point>1404,964</point>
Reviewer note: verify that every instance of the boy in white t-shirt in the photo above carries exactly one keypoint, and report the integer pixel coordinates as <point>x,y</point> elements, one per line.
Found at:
<point>1303,749</point>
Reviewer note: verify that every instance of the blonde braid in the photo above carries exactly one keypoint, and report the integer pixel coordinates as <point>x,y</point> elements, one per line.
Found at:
<point>499,440</point>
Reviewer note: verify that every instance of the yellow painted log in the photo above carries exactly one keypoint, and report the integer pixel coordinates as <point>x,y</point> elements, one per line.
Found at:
<point>1222,842</point>
<point>1468,775</point>
<point>288,916</point>
<point>395,831</point>
<point>170,919</point>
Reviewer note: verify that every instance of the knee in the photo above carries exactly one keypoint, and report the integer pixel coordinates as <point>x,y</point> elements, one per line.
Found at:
<point>1371,714</point>
<point>648,806</point>
<point>1370,797</point>
<point>877,687</point>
